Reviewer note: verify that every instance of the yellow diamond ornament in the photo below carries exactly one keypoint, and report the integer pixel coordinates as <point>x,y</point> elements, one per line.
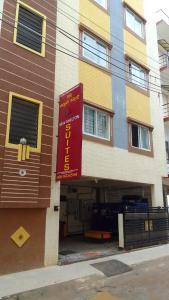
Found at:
<point>20,236</point>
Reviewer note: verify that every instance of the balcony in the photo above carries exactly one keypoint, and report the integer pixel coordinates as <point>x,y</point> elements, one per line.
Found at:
<point>163,29</point>
<point>165,111</point>
<point>164,71</point>
<point>164,61</point>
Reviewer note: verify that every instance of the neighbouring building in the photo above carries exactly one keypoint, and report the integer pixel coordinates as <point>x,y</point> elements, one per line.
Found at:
<point>27,68</point>
<point>162,25</point>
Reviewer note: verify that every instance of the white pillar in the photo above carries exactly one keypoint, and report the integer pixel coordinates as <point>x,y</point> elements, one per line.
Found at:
<point>52,217</point>
<point>52,228</point>
<point>157,193</point>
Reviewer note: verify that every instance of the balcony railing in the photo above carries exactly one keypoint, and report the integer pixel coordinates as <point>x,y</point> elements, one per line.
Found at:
<point>165,108</point>
<point>164,61</point>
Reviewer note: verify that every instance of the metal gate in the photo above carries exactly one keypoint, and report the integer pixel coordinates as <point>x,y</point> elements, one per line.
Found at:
<point>144,227</point>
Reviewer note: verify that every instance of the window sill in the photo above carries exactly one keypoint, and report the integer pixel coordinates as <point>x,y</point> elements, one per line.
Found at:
<point>97,140</point>
<point>16,147</point>
<point>137,88</point>
<point>107,71</point>
<point>42,54</point>
<point>135,150</point>
<point>142,39</point>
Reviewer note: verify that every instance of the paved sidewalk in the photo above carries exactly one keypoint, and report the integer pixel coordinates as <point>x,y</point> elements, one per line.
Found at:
<point>25,281</point>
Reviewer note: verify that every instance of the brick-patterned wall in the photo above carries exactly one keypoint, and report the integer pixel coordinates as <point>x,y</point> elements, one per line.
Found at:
<point>30,75</point>
<point>24,199</point>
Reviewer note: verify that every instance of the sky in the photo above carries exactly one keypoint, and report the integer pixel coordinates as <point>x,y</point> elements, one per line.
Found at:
<point>154,5</point>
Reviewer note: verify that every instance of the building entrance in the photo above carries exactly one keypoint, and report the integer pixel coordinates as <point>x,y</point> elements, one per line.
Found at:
<point>89,217</point>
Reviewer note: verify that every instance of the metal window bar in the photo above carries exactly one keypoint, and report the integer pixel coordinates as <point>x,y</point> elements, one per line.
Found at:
<point>165,109</point>
<point>164,60</point>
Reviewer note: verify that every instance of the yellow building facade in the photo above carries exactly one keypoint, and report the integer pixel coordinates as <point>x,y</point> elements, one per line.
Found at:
<point>103,46</point>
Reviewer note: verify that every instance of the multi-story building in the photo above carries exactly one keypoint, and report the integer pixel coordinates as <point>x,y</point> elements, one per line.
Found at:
<point>103,45</point>
<point>162,23</point>
<point>27,68</point>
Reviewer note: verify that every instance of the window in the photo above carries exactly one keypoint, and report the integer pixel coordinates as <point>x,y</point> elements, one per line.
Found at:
<point>167,150</point>
<point>135,23</point>
<point>95,50</point>
<point>140,136</point>
<point>30,29</point>
<point>137,75</point>
<point>96,123</point>
<point>24,121</point>
<point>102,3</point>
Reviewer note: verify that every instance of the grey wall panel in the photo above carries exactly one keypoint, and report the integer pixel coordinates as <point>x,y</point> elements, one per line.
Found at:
<point>120,130</point>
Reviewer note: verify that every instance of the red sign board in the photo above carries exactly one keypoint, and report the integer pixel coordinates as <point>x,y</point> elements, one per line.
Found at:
<point>69,151</point>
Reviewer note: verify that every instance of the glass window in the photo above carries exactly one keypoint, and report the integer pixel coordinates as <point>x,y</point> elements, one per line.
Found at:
<point>89,48</point>
<point>95,50</point>
<point>96,123</point>
<point>103,54</point>
<point>140,137</point>
<point>89,120</point>
<point>135,136</point>
<point>102,3</point>
<point>134,23</point>
<point>138,27</point>
<point>167,150</point>
<point>138,75</point>
<point>102,125</point>
<point>129,19</point>
<point>144,138</point>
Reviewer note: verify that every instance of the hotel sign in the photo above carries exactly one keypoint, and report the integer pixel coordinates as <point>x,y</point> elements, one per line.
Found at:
<point>69,151</point>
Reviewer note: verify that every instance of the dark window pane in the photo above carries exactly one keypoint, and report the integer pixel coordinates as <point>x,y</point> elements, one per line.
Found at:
<point>24,122</point>
<point>167,150</point>
<point>30,19</point>
<point>135,135</point>
<point>29,30</point>
<point>29,39</point>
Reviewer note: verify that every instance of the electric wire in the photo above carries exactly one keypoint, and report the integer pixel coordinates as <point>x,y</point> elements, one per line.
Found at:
<point>152,68</point>
<point>51,23</point>
<point>114,74</point>
<point>54,7</point>
<point>136,81</point>
<point>80,44</point>
<point>103,29</point>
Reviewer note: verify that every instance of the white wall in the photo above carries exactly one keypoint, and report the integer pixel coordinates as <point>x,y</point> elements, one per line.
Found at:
<point>156,100</point>
<point>66,76</point>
